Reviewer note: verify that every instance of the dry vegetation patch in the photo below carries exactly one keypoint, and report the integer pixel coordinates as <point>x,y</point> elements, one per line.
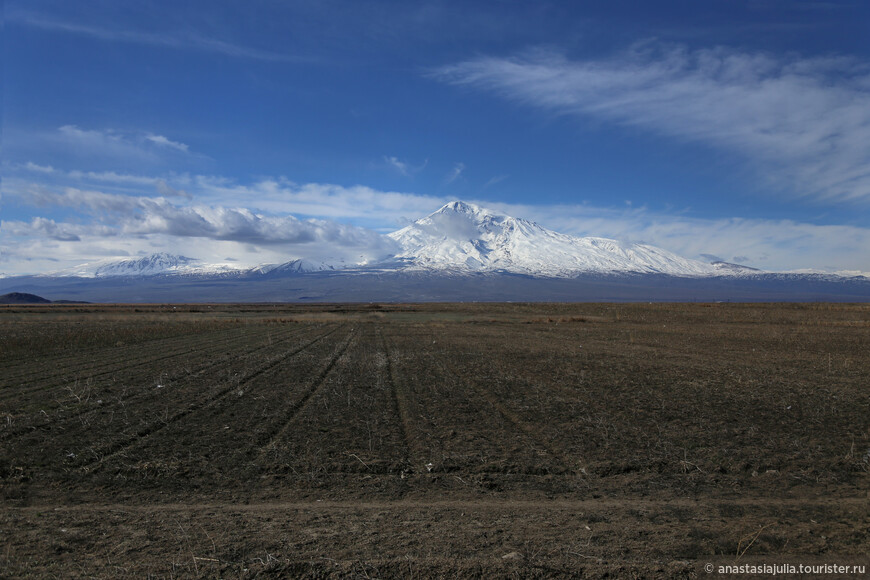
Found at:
<point>513,440</point>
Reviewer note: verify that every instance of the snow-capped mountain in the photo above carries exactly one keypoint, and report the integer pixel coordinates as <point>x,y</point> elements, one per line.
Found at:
<point>465,237</point>
<point>459,238</point>
<point>151,265</point>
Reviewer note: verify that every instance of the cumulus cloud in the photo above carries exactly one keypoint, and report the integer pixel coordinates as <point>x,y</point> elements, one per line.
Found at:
<point>141,216</point>
<point>803,123</point>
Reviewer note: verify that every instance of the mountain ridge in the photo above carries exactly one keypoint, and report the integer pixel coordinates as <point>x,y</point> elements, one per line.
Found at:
<point>458,239</point>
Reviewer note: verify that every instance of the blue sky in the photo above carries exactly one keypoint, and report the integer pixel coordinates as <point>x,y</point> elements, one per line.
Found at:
<point>262,131</point>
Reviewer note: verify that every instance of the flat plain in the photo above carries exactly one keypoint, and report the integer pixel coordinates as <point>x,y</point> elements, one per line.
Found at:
<point>440,440</point>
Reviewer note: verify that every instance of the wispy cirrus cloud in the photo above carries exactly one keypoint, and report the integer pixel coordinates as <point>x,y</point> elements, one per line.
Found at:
<point>454,174</point>
<point>184,40</point>
<point>104,138</point>
<point>113,177</point>
<point>494,180</point>
<point>165,142</point>
<point>72,144</point>
<point>403,167</point>
<point>804,124</point>
<point>48,150</point>
<point>16,180</point>
<point>399,166</point>
<point>46,169</point>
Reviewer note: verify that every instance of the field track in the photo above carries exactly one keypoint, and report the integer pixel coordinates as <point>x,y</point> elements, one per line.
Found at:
<point>509,440</point>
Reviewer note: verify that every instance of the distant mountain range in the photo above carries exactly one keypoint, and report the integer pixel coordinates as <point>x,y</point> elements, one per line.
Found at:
<point>460,252</point>
<point>458,238</point>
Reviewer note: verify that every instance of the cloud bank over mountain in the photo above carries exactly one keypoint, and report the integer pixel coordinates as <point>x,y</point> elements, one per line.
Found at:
<point>318,222</point>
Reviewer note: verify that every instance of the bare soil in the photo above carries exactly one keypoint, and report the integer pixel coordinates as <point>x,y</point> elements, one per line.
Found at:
<point>429,441</point>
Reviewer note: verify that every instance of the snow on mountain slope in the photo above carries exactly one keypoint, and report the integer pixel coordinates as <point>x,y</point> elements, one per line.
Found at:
<point>147,266</point>
<point>463,236</point>
<point>300,266</point>
<point>151,265</point>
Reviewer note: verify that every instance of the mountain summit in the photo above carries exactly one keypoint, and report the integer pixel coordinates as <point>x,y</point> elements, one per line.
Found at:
<point>465,237</point>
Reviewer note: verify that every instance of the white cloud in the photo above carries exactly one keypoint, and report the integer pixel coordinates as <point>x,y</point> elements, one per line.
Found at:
<point>803,123</point>
<point>399,166</point>
<point>379,209</point>
<point>113,177</point>
<point>112,145</point>
<point>167,190</point>
<point>383,210</point>
<point>143,183</point>
<point>404,168</point>
<point>30,166</point>
<point>90,138</point>
<point>454,174</point>
<point>143,216</point>
<point>164,142</point>
<point>493,180</point>
<point>42,227</point>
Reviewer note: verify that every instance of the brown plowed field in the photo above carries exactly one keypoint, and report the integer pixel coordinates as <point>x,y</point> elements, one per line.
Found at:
<point>478,440</point>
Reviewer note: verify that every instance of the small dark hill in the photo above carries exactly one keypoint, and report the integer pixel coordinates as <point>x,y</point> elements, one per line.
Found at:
<point>22,298</point>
